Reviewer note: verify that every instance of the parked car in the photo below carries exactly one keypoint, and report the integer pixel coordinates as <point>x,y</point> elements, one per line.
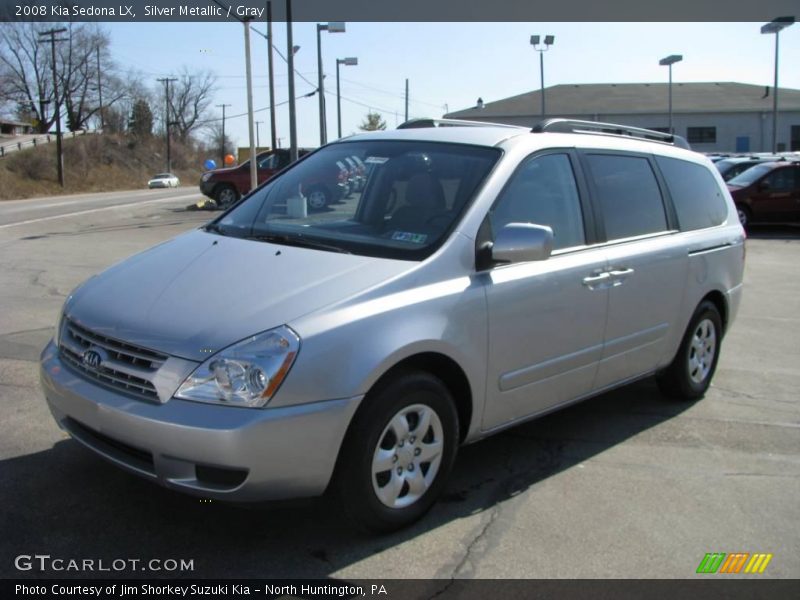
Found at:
<point>767,192</point>
<point>164,180</point>
<point>226,186</point>
<point>486,275</point>
<point>733,166</point>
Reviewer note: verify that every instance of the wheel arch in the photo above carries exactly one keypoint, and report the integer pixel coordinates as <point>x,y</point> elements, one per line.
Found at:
<point>718,299</point>
<point>445,368</point>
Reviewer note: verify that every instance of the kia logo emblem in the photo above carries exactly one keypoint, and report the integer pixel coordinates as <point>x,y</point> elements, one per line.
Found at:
<point>91,359</point>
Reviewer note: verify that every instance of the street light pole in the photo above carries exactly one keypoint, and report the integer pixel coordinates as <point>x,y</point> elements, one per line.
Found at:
<point>50,37</point>
<point>668,62</point>
<point>249,75</point>
<point>332,27</point>
<point>258,136</point>
<point>273,132</point>
<point>349,61</point>
<point>548,41</point>
<point>775,27</point>
<point>290,61</point>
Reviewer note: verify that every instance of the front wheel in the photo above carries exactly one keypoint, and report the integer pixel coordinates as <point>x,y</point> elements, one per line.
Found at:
<point>398,453</point>
<point>225,196</point>
<point>318,198</point>
<point>690,373</point>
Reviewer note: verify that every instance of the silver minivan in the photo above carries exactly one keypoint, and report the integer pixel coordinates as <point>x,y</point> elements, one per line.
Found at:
<point>482,276</point>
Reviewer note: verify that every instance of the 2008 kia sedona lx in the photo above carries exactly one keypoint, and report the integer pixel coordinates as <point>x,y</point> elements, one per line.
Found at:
<point>483,275</point>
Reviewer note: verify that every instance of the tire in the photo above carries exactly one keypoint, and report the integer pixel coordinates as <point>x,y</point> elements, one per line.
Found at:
<point>225,195</point>
<point>745,215</point>
<point>378,499</point>
<point>691,371</point>
<point>318,198</point>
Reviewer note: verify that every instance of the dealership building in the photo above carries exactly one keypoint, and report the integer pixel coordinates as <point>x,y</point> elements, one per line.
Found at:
<point>723,117</point>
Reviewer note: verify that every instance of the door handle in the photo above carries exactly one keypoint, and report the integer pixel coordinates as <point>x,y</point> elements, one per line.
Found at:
<point>593,280</point>
<point>620,272</point>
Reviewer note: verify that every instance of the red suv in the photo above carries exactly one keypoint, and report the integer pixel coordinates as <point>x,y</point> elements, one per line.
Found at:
<point>767,192</point>
<point>226,186</point>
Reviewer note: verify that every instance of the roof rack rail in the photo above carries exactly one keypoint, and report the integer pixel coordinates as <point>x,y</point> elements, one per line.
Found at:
<point>595,127</point>
<point>426,122</point>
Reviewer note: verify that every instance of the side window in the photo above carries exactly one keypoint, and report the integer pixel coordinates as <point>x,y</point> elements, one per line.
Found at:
<point>628,194</point>
<point>780,180</point>
<point>697,198</point>
<point>543,191</point>
<point>267,162</point>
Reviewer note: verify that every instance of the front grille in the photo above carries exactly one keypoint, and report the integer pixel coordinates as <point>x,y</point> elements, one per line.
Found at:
<point>123,366</point>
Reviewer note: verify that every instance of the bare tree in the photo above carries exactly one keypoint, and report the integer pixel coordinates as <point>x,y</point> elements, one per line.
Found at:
<point>26,70</point>
<point>79,73</point>
<point>25,67</point>
<point>190,98</point>
<point>214,140</point>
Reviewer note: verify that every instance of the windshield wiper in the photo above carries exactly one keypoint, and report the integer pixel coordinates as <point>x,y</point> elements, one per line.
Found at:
<point>300,242</point>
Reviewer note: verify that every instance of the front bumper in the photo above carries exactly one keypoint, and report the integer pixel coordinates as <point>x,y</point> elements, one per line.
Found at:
<point>207,188</point>
<point>226,453</point>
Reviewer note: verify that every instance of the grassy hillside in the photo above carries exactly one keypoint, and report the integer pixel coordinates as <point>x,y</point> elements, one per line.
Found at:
<point>95,163</point>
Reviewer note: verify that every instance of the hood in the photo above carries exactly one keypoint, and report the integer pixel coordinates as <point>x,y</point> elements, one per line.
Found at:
<point>224,171</point>
<point>200,292</point>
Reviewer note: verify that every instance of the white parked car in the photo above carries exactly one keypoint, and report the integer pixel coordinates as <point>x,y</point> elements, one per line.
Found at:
<point>164,180</point>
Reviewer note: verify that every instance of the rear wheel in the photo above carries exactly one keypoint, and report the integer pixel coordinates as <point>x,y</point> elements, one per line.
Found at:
<point>690,373</point>
<point>398,453</point>
<point>225,195</point>
<point>744,215</point>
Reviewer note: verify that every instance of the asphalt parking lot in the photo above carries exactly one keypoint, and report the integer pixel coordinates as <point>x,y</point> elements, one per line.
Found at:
<point>626,485</point>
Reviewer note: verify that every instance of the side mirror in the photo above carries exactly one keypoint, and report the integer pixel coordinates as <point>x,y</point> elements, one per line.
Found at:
<point>522,242</point>
<point>763,186</point>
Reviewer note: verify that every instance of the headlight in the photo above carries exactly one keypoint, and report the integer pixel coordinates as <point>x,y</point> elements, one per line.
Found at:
<point>205,177</point>
<point>245,374</point>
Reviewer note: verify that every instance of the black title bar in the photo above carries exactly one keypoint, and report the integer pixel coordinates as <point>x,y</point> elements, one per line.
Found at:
<point>395,10</point>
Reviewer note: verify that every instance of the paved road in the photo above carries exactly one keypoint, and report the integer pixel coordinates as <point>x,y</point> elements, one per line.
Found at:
<point>36,210</point>
<point>625,485</point>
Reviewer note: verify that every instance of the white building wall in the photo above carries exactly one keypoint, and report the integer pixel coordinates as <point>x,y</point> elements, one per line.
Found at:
<point>757,127</point>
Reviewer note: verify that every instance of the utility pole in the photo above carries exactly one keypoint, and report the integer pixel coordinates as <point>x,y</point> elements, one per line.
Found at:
<point>273,131</point>
<point>166,81</point>
<point>100,91</point>
<point>406,99</point>
<point>222,148</point>
<point>258,136</point>
<point>51,33</point>
<point>292,114</point>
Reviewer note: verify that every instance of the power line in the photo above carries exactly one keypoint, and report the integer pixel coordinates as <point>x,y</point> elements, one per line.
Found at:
<point>244,114</point>
<point>390,93</point>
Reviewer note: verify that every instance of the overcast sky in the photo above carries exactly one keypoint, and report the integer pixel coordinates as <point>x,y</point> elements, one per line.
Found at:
<point>449,65</point>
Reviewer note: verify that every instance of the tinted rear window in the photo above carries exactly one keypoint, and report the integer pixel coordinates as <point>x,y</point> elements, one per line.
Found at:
<point>695,194</point>
<point>628,193</point>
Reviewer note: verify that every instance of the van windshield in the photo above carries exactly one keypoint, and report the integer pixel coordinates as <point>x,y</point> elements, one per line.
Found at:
<point>393,199</point>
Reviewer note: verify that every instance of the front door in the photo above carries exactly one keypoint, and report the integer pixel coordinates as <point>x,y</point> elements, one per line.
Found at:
<point>546,318</point>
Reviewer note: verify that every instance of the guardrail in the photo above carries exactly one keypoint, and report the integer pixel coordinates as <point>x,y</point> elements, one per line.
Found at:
<point>7,148</point>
